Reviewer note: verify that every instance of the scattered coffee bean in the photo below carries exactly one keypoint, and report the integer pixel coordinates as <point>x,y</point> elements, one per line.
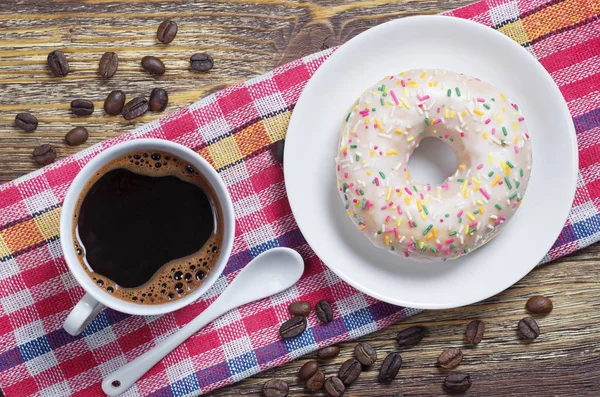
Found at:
<point>349,371</point>
<point>324,311</point>
<point>277,148</point>
<point>166,31</point>
<point>76,136</point>
<point>328,352</point>
<point>58,64</point>
<point>457,383</point>
<point>158,99</point>
<point>474,332</point>
<point>201,62</point>
<point>293,327</point>
<point>308,369</point>
<point>82,107</point>
<point>26,121</point>
<point>44,154</point>
<point>135,108</point>
<point>450,358</point>
<point>410,336</point>
<point>114,102</point>
<point>335,387</point>
<point>109,62</point>
<point>539,304</point>
<point>276,388</point>
<point>316,382</point>
<point>529,328</point>
<point>390,367</point>
<point>365,354</point>
<point>153,65</point>
<point>299,308</point>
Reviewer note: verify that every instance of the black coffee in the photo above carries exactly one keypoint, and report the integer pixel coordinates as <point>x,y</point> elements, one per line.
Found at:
<point>148,228</point>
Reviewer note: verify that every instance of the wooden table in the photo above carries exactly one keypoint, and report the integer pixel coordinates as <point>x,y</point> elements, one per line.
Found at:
<point>247,38</point>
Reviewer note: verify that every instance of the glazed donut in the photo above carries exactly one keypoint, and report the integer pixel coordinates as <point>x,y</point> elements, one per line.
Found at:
<point>426,222</point>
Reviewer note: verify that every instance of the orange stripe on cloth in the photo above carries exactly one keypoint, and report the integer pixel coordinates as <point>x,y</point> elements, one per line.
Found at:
<point>558,16</point>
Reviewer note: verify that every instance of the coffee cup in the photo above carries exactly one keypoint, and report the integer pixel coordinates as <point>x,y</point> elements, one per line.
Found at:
<point>96,297</point>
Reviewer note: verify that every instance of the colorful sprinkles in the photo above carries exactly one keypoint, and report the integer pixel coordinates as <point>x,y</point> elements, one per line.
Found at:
<point>387,124</point>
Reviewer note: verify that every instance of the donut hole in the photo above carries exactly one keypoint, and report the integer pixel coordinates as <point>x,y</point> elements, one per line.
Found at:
<point>432,162</point>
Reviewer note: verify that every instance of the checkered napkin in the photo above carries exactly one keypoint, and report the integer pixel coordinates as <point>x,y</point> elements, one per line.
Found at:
<point>233,129</point>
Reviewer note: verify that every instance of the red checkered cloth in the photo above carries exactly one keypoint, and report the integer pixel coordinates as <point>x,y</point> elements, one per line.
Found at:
<point>233,129</point>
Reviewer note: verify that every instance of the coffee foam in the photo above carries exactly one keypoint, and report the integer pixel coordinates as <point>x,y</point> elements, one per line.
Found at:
<point>176,278</point>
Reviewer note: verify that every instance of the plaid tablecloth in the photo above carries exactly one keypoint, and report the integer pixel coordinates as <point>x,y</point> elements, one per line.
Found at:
<point>233,129</point>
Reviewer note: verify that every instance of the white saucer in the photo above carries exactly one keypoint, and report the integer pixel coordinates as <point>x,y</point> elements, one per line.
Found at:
<point>444,43</point>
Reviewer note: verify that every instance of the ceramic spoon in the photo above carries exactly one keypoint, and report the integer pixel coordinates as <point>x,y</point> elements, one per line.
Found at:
<point>269,273</point>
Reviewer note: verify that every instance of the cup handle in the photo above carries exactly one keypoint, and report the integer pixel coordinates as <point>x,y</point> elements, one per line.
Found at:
<point>82,314</point>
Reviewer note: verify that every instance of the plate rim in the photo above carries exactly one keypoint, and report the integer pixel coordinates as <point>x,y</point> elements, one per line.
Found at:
<point>570,134</point>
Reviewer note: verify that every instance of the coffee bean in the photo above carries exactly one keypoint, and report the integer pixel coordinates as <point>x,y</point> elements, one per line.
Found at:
<point>299,308</point>
<point>410,336</point>
<point>529,328</point>
<point>201,62</point>
<point>365,354</point>
<point>539,304</point>
<point>293,327</point>
<point>26,121</point>
<point>324,311</point>
<point>474,332</point>
<point>114,102</point>
<point>44,154</point>
<point>349,371</point>
<point>276,388</point>
<point>457,383</point>
<point>328,352</point>
<point>135,108</point>
<point>158,99</point>
<point>277,148</point>
<point>76,136</point>
<point>82,107</point>
<point>450,358</point>
<point>308,369</point>
<point>166,31</point>
<point>153,65</point>
<point>109,62</point>
<point>390,367</point>
<point>316,382</point>
<point>335,387</point>
<point>58,64</point>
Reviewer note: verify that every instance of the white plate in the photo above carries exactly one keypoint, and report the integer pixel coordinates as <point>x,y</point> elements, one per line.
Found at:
<point>429,42</point>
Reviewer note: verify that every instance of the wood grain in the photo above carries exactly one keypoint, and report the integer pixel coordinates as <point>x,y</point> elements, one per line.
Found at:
<point>248,38</point>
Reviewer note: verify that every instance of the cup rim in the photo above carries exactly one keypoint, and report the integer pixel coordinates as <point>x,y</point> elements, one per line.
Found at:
<point>103,158</point>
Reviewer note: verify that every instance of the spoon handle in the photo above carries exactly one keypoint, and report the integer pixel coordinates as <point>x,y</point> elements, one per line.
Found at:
<point>124,377</point>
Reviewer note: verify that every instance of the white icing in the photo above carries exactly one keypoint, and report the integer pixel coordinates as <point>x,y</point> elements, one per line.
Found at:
<point>397,129</point>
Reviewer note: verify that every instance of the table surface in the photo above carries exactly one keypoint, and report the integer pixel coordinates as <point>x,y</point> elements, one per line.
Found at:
<point>247,38</point>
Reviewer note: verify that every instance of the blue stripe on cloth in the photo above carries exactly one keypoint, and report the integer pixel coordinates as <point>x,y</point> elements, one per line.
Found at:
<point>214,374</point>
<point>237,262</point>
<point>35,348</point>
<point>260,248</point>
<point>184,386</point>
<point>270,352</point>
<point>10,359</point>
<point>381,310</point>
<point>587,121</point>
<point>60,337</point>
<point>292,239</point>
<point>98,324</point>
<point>566,236</point>
<point>164,392</point>
<point>324,332</point>
<point>242,363</point>
<point>587,227</point>
<point>358,319</point>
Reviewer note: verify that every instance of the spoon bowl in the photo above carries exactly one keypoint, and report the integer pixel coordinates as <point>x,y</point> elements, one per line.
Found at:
<point>269,273</point>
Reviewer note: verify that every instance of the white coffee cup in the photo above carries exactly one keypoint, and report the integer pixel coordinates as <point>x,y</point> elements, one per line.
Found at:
<point>95,298</point>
